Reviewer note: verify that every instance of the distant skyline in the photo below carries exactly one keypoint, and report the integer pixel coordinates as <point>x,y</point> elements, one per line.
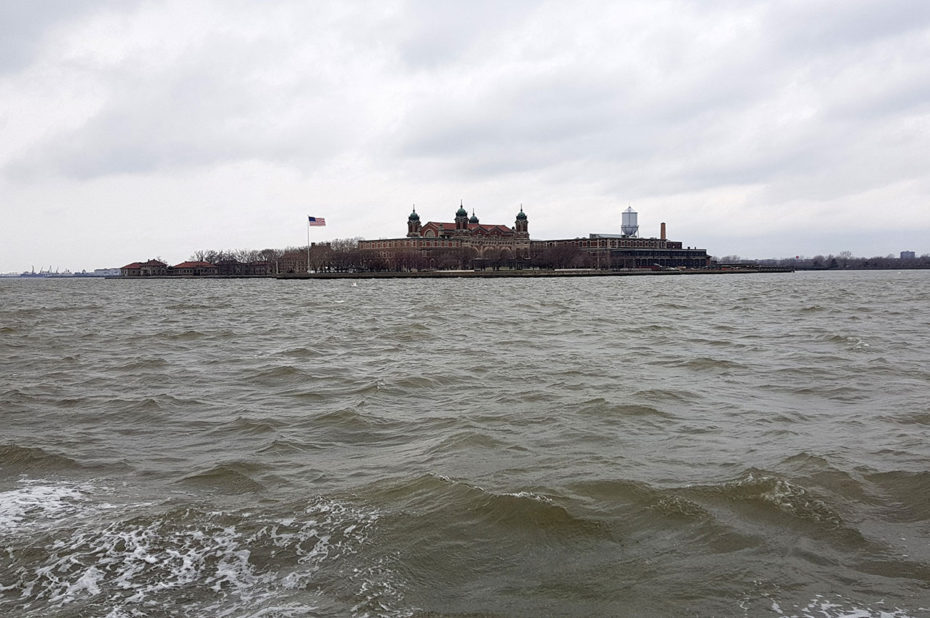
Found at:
<point>135,129</point>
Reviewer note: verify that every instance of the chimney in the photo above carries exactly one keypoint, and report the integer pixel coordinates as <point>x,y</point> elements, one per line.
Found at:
<point>662,231</point>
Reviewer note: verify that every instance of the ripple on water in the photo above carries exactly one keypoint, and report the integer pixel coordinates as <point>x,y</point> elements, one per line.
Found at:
<point>712,445</point>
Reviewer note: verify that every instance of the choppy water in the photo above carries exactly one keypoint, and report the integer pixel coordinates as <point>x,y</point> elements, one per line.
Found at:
<point>746,445</point>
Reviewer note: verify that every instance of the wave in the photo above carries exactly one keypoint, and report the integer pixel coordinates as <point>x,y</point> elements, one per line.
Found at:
<point>34,503</point>
<point>849,342</point>
<point>601,408</point>
<point>910,418</point>
<point>213,562</point>
<point>302,352</point>
<point>288,447</point>
<point>905,494</point>
<point>407,333</point>
<point>407,384</point>
<point>231,478</point>
<point>352,427</point>
<point>466,441</point>
<point>15,460</point>
<point>436,502</point>
<point>814,470</point>
<point>704,363</point>
<point>633,498</point>
<point>249,426</point>
<point>39,311</point>
<point>143,364</point>
<point>277,375</point>
<point>187,335</point>
<point>346,418</point>
<point>661,394</point>
<point>772,496</point>
<point>180,307</point>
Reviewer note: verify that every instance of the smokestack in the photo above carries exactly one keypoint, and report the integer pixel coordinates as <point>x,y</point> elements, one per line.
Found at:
<point>662,231</point>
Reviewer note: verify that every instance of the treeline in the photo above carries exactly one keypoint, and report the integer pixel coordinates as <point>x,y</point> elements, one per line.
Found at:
<point>244,256</point>
<point>843,260</point>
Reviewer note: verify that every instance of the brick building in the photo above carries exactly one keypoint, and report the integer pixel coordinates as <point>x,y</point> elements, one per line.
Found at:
<point>194,269</point>
<point>477,244</point>
<point>463,233</point>
<point>151,268</point>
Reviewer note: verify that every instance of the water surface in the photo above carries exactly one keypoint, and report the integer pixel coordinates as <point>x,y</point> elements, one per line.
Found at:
<point>742,445</point>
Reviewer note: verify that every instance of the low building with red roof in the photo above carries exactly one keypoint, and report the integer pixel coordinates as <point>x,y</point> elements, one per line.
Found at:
<point>151,268</point>
<point>194,269</point>
<point>131,270</point>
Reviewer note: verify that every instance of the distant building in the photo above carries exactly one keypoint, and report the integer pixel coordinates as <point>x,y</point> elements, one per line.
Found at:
<point>152,268</point>
<point>463,233</point>
<point>131,270</point>
<point>466,242</point>
<point>235,268</point>
<point>293,261</point>
<point>908,255</point>
<point>227,268</point>
<point>193,269</point>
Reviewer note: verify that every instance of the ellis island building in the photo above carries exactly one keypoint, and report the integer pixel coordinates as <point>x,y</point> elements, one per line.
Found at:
<point>468,243</point>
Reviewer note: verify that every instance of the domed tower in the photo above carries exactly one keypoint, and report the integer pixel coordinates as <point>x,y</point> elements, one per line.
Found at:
<point>522,224</point>
<point>473,218</point>
<point>461,218</point>
<point>413,223</point>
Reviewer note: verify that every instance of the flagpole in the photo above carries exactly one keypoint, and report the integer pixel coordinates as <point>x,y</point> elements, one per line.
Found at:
<point>311,221</point>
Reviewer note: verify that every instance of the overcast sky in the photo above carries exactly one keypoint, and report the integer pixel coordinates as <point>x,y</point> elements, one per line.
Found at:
<point>130,130</point>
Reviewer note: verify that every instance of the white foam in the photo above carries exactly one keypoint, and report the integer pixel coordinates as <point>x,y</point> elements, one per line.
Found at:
<point>837,607</point>
<point>37,501</point>
<point>87,584</point>
<point>135,564</point>
<point>531,496</point>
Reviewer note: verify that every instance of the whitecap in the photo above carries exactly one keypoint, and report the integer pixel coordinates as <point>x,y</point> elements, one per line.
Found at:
<point>35,502</point>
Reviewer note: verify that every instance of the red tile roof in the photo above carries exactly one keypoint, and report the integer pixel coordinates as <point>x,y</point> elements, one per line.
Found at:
<point>194,265</point>
<point>450,227</point>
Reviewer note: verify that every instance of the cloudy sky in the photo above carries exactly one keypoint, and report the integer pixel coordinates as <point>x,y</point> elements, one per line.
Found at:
<point>131,129</point>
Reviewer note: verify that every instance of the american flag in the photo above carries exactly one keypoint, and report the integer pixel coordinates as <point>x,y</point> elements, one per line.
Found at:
<point>317,221</point>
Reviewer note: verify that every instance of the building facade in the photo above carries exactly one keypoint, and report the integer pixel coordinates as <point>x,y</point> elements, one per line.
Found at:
<point>151,268</point>
<point>478,240</point>
<point>618,251</point>
<point>194,269</point>
<point>228,268</point>
<point>476,244</point>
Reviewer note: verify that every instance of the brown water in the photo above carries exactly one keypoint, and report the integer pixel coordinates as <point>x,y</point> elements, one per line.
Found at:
<point>745,445</point>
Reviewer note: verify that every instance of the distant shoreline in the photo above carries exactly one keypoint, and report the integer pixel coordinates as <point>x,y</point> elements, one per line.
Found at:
<point>470,274</point>
<point>503,274</point>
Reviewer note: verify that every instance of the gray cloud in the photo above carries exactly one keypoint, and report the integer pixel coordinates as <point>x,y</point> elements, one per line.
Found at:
<point>820,26</point>
<point>433,34</point>
<point>228,96</point>
<point>25,24</point>
<point>759,112</point>
<point>745,110</point>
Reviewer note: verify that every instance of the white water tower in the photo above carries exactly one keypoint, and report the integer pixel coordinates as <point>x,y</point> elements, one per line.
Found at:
<point>629,226</point>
